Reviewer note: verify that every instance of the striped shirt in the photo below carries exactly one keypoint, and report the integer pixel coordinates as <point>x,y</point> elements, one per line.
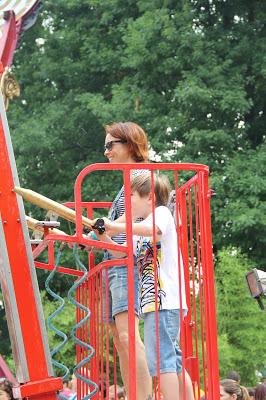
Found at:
<point>118,208</point>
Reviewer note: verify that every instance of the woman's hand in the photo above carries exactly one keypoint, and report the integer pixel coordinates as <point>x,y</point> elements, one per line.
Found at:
<point>109,227</point>
<point>100,236</point>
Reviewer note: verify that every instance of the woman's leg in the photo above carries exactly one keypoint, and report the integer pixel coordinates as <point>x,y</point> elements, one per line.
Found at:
<point>169,385</point>
<point>172,386</point>
<point>188,387</point>
<point>121,340</point>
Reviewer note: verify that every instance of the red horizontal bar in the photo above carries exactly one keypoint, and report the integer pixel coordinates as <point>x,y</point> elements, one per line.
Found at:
<point>34,388</point>
<point>63,270</point>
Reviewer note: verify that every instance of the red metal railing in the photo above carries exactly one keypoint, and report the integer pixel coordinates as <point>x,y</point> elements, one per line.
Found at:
<point>198,337</point>
<point>198,330</point>
<point>198,333</point>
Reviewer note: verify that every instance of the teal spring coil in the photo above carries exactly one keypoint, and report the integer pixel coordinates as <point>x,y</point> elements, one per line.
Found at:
<point>53,315</point>
<point>91,351</point>
<point>71,297</point>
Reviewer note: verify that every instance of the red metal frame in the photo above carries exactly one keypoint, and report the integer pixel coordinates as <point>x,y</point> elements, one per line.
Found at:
<point>8,40</point>
<point>198,335</point>
<point>22,301</point>
<point>195,222</point>
<point>10,32</point>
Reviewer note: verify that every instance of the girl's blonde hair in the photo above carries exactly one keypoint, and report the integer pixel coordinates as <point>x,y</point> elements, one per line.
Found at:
<point>142,185</point>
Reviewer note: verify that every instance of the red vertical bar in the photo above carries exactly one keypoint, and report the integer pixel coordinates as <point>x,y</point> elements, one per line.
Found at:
<point>158,389</point>
<point>96,371</point>
<point>209,292</point>
<point>202,320</point>
<point>131,308</point>
<point>179,244</point>
<point>193,307</point>
<point>183,232</point>
<point>93,321</point>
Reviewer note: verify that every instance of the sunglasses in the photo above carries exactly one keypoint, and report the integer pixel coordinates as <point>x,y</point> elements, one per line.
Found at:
<point>109,145</point>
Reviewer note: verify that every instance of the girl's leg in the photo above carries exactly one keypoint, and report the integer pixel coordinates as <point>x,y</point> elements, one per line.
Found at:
<point>121,340</point>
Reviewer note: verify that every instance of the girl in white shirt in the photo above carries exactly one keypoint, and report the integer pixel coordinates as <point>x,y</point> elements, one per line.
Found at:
<point>171,297</point>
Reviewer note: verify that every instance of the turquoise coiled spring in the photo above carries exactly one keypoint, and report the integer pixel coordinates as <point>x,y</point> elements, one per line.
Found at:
<point>76,340</point>
<point>72,299</point>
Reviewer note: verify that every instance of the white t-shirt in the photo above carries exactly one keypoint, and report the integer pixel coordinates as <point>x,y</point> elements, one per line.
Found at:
<point>168,270</point>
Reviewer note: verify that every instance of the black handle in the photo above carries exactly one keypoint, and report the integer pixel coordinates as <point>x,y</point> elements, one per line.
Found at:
<point>99,225</point>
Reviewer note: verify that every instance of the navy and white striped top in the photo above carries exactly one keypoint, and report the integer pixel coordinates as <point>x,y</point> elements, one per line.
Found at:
<point>118,207</point>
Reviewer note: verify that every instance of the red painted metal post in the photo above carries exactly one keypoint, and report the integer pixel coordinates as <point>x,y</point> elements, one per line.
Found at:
<point>187,327</point>
<point>8,40</point>
<point>209,291</point>
<point>131,308</point>
<point>19,283</point>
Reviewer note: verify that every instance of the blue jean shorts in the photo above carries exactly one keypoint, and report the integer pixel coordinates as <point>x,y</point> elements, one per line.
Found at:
<point>118,292</point>
<point>169,334</point>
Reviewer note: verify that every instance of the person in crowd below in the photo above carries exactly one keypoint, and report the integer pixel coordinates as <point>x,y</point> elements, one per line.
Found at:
<point>125,142</point>
<point>120,392</point>
<point>231,390</point>
<point>67,391</point>
<point>6,389</point>
<point>251,392</point>
<point>170,281</point>
<point>234,375</point>
<point>260,392</point>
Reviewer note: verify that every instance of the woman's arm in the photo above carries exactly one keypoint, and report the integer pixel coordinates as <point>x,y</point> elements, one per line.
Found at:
<point>122,218</point>
<point>106,238</point>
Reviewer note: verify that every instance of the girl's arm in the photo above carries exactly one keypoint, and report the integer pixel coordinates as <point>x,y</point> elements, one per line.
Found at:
<point>138,228</point>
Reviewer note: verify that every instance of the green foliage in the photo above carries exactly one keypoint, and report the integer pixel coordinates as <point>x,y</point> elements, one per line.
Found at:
<point>241,324</point>
<point>65,321</point>
<point>239,208</point>
<point>5,345</point>
<point>180,70</point>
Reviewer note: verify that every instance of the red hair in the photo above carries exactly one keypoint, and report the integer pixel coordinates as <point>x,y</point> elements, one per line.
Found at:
<point>133,135</point>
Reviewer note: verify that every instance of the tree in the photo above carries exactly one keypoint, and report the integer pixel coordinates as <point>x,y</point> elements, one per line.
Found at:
<point>180,70</point>
<point>241,324</point>
<point>240,205</point>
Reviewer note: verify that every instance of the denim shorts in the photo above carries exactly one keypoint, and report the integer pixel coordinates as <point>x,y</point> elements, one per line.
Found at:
<point>118,292</point>
<point>169,334</point>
